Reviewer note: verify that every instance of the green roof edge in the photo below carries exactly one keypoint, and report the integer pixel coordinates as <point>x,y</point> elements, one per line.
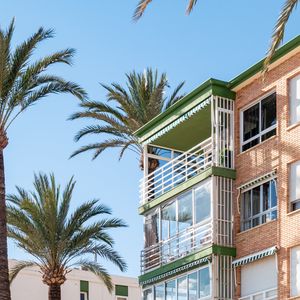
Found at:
<point>211,86</point>
<point>280,52</point>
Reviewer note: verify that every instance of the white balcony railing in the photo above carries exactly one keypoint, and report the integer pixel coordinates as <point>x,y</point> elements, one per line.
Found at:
<point>176,171</point>
<point>180,245</point>
<point>264,295</point>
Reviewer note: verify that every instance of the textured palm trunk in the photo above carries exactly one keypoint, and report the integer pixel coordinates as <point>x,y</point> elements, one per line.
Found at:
<point>54,292</point>
<point>4,279</point>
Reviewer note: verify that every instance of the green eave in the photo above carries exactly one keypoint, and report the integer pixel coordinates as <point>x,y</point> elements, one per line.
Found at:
<point>201,93</point>
<point>216,171</point>
<point>258,67</point>
<point>212,249</point>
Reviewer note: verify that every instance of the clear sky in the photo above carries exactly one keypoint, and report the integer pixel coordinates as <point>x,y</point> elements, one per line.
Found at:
<point>219,39</point>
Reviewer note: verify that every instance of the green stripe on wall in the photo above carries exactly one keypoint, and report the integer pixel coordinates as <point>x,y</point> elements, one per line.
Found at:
<point>121,290</point>
<point>84,286</point>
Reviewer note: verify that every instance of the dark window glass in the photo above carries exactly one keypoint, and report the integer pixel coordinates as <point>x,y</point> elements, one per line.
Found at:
<point>268,134</point>
<point>296,205</point>
<point>268,112</point>
<point>256,201</point>
<point>250,144</point>
<point>251,122</point>
<point>151,229</point>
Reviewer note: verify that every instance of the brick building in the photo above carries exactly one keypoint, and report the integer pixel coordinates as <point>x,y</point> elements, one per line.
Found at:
<point>221,189</point>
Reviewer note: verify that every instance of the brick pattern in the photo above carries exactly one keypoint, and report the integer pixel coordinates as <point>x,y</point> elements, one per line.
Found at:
<point>275,153</point>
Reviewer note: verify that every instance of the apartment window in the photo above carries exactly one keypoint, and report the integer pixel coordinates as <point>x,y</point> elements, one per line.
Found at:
<point>294,100</point>
<point>193,286</point>
<point>295,185</point>
<point>258,122</point>
<point>259,280</point>
<point>259,205</point>
<point>83,296</point>
<point>295,271</point>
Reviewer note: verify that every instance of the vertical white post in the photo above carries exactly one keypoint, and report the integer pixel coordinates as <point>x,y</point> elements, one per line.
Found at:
<point>146,168</point>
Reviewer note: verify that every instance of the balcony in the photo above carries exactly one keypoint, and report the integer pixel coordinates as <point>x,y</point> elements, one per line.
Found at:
<point>264,295</point>
<point>183,167</point>
<point>180,245</point>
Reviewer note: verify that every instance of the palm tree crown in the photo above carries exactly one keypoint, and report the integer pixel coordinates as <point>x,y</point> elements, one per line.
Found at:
<point>142,100</point>
<point>41,224</point>
<point>22,82</point>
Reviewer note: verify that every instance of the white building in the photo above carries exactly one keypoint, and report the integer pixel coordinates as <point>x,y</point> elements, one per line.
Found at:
<point>80,285</point>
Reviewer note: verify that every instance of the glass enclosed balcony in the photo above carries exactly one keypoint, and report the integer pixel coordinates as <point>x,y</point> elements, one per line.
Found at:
<point>188,223</point>
<point>173,156</point>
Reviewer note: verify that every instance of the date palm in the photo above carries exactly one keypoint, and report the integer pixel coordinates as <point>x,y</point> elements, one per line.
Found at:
<point>140,101</point>
<point>142,5</point>
<point>277,35</point>
<point>42,225</point>
<point>23,82</point>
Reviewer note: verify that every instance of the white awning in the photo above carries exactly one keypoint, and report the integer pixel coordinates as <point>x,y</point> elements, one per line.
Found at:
<point>257,181</point>
<point>255,256</point>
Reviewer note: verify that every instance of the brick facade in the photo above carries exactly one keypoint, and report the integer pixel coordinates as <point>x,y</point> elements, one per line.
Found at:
<point>275,153</point>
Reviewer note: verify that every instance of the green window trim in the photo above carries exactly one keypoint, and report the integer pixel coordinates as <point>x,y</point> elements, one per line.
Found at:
<point>121,290</point>
<point>84,286</point>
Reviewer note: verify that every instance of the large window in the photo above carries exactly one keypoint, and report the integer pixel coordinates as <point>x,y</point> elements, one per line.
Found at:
<point>294,100</point>
<point>295,271</point>
<point>259,280</point>
<point>258,122</point>
<point>259,205</point>
<point>295,185</point>
<point>178,215</point>
<point>194,286</point>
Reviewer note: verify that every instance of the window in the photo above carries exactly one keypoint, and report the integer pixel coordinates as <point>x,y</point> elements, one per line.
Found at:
<point>193,286</point>
<point>259,205</point>
<point>203,202</point>
<point>295,271</point>
<point>259,277</point>
<point>294,100</point>
<point>83,296</point>
<point>258,122</point>
<point>295,185</point>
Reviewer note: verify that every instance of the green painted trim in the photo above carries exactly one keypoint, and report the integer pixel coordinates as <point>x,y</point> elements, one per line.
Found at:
<point>84,286</point>
<point>210,87</point>
<point>224,250</point>
<point>213,249</point>
<point>121,290</point>
<point>176,264</point>
<point>216,171</point>
<point>280,52</point>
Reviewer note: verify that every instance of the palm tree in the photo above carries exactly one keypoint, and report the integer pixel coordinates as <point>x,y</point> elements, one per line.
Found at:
<point>278,32</point>
<point>42,225</point>
<point>142,5</point>
<point>22,84</point>
<point>134,106</point>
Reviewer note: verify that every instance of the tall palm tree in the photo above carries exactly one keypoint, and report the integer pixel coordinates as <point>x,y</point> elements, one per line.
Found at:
<point>41,223</point>
<point>22,83</point>
<point>133,106</point>
<point>278,32</point>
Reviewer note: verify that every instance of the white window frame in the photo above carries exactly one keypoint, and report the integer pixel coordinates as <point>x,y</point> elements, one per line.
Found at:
<point>261,213</point>
<point>292,201</point>
<point>291,266</point>
<point>261,132</point>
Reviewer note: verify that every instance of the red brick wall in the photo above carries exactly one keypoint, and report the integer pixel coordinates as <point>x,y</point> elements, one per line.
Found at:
<point>276,153</point>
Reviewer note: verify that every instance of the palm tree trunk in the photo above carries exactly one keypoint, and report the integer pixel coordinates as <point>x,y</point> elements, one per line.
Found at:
<point>4,279</point>
<point>54,292</point>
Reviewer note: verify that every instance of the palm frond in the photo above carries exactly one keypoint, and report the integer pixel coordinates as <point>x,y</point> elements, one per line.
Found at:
<point>190,6</point>
<point>140,9</point>
<point>279,30</point>
<point>14,271</point>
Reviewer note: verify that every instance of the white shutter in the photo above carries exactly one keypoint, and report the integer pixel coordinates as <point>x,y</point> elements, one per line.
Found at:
<point>295,271</point>
<point>258,276</point>
<point>295,100</point>
<point>295,181</point>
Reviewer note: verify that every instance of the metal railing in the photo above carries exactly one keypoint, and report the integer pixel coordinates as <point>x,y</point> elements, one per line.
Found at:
<point>180,245</point>
<point>264,295</point>
<point>176,171</point>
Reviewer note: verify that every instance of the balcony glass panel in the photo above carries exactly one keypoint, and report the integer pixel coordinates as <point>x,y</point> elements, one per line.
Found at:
<point>192,278</point>
<point>171,290</point>
<point>182,291</point>
<point>204,283</point>
<point>160,292</point>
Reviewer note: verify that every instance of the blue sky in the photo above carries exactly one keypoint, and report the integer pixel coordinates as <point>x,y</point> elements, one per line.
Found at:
<point>219,39</point>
